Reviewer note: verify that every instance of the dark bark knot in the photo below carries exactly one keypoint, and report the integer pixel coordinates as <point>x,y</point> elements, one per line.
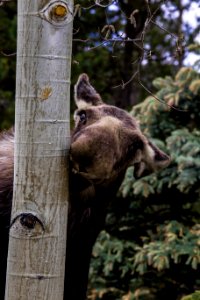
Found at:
<point>28,220</point>
<point>57,13</point>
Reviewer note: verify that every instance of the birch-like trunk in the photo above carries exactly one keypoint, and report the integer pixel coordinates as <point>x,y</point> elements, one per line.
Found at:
<point>36,257</point>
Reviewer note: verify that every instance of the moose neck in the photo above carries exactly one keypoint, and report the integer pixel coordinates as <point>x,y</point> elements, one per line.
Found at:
<point>88,205</point>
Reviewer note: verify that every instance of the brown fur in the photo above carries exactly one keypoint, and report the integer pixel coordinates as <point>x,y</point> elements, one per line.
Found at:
<point>6,170</point>
<point>105,141</point>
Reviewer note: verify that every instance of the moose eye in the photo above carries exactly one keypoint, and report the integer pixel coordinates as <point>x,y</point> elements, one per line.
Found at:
<point>82,116</point>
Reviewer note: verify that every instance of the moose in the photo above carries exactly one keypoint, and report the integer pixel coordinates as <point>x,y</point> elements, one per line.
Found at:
<point>105,141</point>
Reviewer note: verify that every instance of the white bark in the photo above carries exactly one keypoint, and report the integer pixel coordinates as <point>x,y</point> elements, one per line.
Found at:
<point>36,258</point>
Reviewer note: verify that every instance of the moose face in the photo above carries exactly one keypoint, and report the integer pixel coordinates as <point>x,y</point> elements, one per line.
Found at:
<point>106,140</point>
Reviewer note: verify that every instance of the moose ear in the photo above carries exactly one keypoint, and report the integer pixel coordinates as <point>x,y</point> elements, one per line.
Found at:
<point>152,160</point>
<point>85,94</point>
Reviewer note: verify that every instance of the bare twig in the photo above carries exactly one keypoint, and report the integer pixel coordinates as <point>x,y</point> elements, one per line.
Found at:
<point>99,3</point>
<point>164,29</point>
<point>10,54</point>
<point>2,2</point>
<point>124,84</point>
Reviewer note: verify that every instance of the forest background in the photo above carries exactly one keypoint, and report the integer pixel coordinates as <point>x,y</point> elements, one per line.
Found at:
<point>141,56</point>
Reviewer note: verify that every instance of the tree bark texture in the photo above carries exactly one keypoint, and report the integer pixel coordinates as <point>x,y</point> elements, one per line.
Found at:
<point>129,93</point>
<point>37,241</point>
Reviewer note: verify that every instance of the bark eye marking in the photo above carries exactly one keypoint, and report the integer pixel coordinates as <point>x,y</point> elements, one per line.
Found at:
<point>60,11</point>
<point>28,221</point>
<point>57,13</point>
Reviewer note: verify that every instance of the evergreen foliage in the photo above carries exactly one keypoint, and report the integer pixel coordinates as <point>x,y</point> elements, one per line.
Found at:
<point>194,296</point>
<point>151,246</point>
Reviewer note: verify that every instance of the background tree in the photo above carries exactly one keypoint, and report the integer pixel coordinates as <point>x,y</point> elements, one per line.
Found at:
<point>156,33</point>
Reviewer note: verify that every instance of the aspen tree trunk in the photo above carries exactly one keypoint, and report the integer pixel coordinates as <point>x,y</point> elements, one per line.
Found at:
<point>36,257</point>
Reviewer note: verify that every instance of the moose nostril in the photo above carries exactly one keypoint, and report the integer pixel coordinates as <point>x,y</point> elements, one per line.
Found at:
<point>161,156</point>
<point>82,168</point>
